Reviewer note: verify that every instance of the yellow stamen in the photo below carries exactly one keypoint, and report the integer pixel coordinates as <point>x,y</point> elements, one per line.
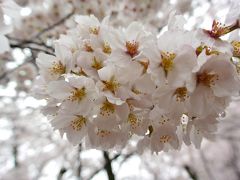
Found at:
<point>133,120</point>
<point>165,138</point>
<point>107,109</point>
<point>132,48</point>
<point>111,85</point>
<point>94,30</point>
<point>136,91</point>
<point>219,30</point>
<point>167,62</point>
<point>103,133</point>
<point>208,51</point>
<point>181,94</point>
<point>207,79</point>
<point>79,73</point>
<point>88,47</point>
<point>236,48</point>
<point>78,123</point>
<point>106,48</point>
<point>97,64</point>
<point>78,94</point>
<point>57,68</point>
<point>145,65</point>
<point>163,120</point>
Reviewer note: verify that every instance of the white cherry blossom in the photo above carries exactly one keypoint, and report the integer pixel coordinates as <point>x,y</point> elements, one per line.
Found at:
<point>106,86</point>
<point>53,67</point>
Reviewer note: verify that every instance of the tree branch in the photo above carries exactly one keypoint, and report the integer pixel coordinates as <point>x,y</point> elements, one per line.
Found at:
<point>79,167</point>
<point>14,69</point>
<point>61,172</point>
<point>31,48</point>
<point>104,167</point>
<point>22,42</point>
<point>191,172</point>
<point>55,24</point>
<point>108,166</point>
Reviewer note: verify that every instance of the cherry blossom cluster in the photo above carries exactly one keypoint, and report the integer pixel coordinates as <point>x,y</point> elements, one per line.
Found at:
<point>106,85</point>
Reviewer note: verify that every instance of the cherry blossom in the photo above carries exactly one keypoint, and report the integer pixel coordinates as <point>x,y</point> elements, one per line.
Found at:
<point>106,85</point>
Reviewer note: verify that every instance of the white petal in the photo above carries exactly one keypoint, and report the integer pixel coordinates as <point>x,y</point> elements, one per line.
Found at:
<point>59,89</point>
<point>145,84</point>
<point>4,45</point>
<point>11,9</point>
<point>122,111</point>
<point>183,66</point>
<point>196,137</point>
<point>106,73</point>
<point>44,61</point>
<point>134,30</point>
<point>176,22</point>
<point>82,81</point>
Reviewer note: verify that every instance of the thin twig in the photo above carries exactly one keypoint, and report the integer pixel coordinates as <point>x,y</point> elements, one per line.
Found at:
<point>22,42</point>
<point>104,167</point>
<point>14,69</point>
<point>79,167</point>
<point>191,172</point>
<point>31,48</point>
<point>55,24</point>
<point>61,173</point>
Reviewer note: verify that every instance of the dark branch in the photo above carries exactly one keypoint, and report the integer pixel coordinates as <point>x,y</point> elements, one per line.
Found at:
<point>191,172</point>
<point>61,173</point>
<point>104,167</point>
<point>79,168</point>
<point>125,157</point>
<point>31,48</point>
<point>108,166</point>
<point>22,42</point>
<point>15,155</point>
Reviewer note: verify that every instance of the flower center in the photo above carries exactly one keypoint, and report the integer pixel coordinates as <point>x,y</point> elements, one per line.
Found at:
<point>111,85</point>
<point>78,94</point>
<point>145,65</point>
<point>88,47</point>
<point>236,48</point>
<point>94,30</point>
<point>181,94</point>
<point>135,90</point>
<point>78,123</point>
<point>209,51</point>
<point>57,68</point>
<point>163,120</point>
<point>165,138</point>
<point>79,72</point>
<point>97,64</point>
<point>106,48</point>
<point>133,120</point>
<point>107,109</point>
<point>132,48</point>
<point>207,79</point>
<point>219,30</point>
<point>103,133</point>
<point>167,62</point>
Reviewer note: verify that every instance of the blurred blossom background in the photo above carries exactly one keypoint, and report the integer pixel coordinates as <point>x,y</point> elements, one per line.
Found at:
<point>30,149</point>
